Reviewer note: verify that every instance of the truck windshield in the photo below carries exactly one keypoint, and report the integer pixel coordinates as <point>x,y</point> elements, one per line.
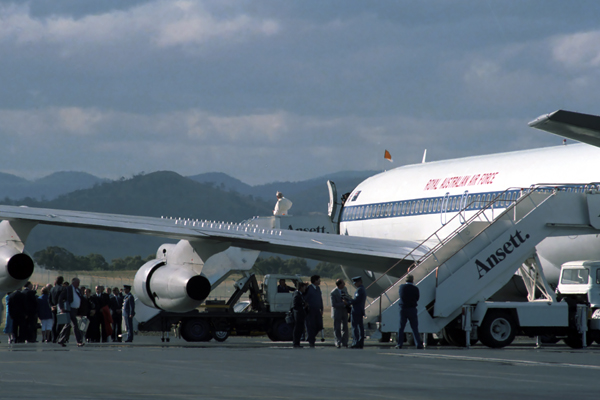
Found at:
<point>575,276</point>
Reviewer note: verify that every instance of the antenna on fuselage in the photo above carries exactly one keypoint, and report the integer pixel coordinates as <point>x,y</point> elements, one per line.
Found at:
<point>424,156</point>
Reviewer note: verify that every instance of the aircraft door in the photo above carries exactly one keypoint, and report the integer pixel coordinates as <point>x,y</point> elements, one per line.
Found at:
<point>444,209</point>
<point>333,210</point>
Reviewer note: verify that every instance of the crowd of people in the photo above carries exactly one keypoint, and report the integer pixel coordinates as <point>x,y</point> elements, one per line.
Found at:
<point>63,307</point>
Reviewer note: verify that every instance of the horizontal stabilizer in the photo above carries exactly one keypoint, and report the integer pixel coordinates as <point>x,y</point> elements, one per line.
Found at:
<point>584,128</point>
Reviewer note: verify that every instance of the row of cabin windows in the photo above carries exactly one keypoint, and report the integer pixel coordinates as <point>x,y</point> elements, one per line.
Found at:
<point>453,203</point>
<point>426,206</point>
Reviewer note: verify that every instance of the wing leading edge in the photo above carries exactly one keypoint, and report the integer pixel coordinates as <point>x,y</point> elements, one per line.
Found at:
<point>366,253</point>
<point>584,128</point>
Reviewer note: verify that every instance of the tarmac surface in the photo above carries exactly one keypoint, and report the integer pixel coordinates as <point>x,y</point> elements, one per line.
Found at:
<point>256,368</point>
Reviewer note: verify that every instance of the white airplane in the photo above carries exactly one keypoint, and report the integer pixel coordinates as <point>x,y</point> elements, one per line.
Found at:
<point>387,217</point>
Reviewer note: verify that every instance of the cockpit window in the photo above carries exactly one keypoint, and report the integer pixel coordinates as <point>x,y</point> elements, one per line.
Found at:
<point>355,196</point>
<point>577,276</point>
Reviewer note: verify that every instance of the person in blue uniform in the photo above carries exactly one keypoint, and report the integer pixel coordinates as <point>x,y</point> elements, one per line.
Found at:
<point>314,317</point>
<point>128,311</point>
<point>357,313</point>
<point>409,296</point>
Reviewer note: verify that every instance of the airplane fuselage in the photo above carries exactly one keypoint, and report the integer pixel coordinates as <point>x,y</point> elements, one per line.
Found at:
<point>413,201</point>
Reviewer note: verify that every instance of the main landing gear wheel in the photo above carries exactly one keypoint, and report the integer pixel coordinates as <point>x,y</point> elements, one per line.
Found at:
<point>196,330</point>
<point>498,329</point>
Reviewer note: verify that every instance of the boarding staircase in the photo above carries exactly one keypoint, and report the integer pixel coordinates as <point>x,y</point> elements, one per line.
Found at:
<point>478,258</point>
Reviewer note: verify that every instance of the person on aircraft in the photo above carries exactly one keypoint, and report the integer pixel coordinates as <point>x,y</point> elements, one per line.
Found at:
<point>282,206</point>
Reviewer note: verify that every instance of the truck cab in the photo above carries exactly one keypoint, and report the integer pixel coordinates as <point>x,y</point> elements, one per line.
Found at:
<point>279,301</point>
<point>580,280</point>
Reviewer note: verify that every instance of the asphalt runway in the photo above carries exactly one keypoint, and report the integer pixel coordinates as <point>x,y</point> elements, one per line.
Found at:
<point>255,368</point>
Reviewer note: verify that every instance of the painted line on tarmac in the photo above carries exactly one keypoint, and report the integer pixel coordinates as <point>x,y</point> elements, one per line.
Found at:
<point>494,360</point>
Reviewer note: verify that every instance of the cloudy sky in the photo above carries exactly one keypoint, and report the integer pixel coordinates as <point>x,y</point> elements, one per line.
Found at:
<point>284,90</point>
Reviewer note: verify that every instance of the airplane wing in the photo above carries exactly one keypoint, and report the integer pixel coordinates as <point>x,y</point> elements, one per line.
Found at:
<point>366,253</point>
<point>581,127</point>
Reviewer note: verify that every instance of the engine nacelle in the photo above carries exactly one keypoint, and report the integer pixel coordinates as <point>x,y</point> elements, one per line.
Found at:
<point>15,268</point>
<point>171,288</point>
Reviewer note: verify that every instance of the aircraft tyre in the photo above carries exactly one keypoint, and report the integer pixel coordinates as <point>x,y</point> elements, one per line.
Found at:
<point>498,329</point>
<point>196,330</point>
<point>281,331</point>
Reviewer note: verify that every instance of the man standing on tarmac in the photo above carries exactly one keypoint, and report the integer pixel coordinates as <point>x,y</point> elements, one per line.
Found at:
<point>339,314</point>
<point>357,314</point>
<point>299,311</point>
<point>314,318</point>
<point>53,301</point>
<point>69,302</point>
<point>128,312</point>
<point>409,296</point>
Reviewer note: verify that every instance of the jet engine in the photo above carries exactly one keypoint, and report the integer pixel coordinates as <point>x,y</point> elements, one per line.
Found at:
<point>15,268</point>
<point>170,288</point>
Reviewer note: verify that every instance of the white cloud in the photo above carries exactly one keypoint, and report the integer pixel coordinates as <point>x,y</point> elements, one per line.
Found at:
<point>578,51</point>
<point>164,23</point>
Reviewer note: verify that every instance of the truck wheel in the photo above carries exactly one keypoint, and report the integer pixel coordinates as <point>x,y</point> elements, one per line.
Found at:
<point>456,337</point>
<point>196,330</point>
<point>498,329</point>
<point>281,331</point>
<point>220,336</point>
<point>574,341</point>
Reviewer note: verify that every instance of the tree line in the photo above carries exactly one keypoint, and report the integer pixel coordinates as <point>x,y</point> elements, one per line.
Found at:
<point>59,258</point>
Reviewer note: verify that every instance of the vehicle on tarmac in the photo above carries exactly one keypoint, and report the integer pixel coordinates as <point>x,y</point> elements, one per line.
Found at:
<point>262,314</point>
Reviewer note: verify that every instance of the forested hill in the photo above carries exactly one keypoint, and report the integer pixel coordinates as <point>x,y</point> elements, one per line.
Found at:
<point>156,194</point>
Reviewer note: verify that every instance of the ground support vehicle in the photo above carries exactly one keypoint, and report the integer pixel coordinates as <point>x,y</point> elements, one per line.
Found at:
<point>460,275</point>
<point>263,314</point>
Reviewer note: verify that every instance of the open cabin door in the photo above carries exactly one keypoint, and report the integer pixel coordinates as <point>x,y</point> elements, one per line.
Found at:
<point>334,208</point>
